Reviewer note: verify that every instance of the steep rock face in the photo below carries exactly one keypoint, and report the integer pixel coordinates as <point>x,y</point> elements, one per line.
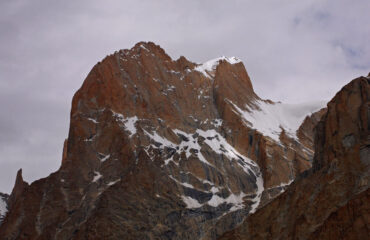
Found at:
<point>3,206</point>
<point>348,222</point>
<point>305,132</point>
<point>18,189</point>
<point>162,149</point>
<point>331,201</point>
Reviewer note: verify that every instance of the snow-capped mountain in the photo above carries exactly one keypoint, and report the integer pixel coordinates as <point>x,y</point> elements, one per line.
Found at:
<point>165,149</point>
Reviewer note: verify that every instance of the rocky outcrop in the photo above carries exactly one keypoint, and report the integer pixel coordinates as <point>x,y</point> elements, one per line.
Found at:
<point>162,149</point>
<point>18,189</point>
<point>305,132</point>
<point>331,201</point>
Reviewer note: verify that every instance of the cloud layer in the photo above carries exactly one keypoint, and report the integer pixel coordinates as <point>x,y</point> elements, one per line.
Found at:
<point>294,51</point>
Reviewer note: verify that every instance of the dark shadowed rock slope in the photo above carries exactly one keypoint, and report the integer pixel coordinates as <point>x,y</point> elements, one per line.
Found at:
<point>163,149</point>
<point>331,201</point>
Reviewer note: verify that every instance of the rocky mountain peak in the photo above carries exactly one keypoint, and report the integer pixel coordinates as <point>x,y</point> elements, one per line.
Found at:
<point>164,149</point>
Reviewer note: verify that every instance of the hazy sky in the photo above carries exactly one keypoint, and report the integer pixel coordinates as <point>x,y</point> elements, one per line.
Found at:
<point>294,51</point>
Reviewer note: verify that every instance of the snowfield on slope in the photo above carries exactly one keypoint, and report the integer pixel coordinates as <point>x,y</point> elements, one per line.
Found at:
<point>270,118</point>
<point>220,146</point>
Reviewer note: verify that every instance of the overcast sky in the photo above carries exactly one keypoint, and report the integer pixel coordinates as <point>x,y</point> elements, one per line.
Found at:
<point>294,51</point>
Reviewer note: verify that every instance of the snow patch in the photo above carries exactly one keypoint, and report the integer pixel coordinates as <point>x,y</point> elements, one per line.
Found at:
<point>129,122</point>
<point>103,157</point>
<point>209,67</point>
<point>272,117</point>
<point>235,200</point>
<point>259,192</point>
<point>130,125</point>
<point>170,88</point>
<point>93,120</point>
<point>194,118</point>
<point>214,189</point>
<point>174,72</point>
<point>188,185</point>
<point>286,184</point>
<point>90,139</point>
<point>283,186</point>
<point>164,142</point>
<point>113,182</point>
<point>97,176</point>
<point>143,47</point>
<point>191,202</point>
<point>217,123</point>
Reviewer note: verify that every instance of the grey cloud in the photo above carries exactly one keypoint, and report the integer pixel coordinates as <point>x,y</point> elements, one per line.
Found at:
<point>293,51</point>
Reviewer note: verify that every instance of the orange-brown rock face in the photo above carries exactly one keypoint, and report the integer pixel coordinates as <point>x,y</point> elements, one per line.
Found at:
<point>18,189</point>
<point>162,149</point>
<point>331,201</point>
<point>305,132</point>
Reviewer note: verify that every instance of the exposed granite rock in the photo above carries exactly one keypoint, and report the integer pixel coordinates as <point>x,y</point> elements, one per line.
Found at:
<point>158,149</point>
<point>331,201</point>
